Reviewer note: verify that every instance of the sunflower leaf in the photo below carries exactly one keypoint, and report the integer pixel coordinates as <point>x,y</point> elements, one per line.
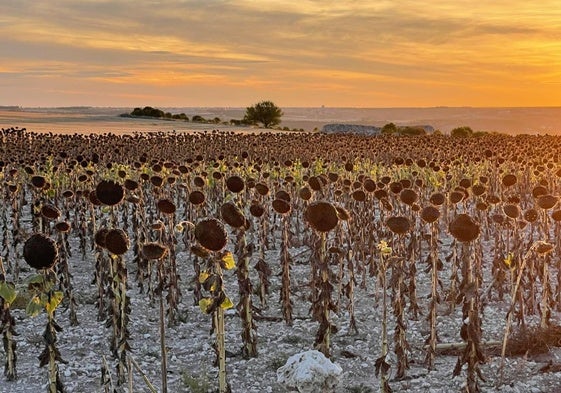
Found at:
<point>34,307</point>
<point>54,300</point>
<point>228,261</point>
<point>8,292</point>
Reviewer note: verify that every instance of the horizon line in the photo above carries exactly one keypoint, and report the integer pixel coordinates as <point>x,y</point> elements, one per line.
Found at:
<point>287,107</point>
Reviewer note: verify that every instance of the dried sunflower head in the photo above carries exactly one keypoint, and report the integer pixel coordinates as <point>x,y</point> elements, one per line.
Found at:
<point>38,181</point>
<point>322,216</point>
<point>543,248</point>
<point>50,212</point>
<point>232,215</point>
<point>166,206</point>
<point>235,184</point>
<point>117,241</point>
<point>430,214</point>
<point>109,193</point>
<point>196,197</point>
<point>40,251</point>
<point>210,233</point>
<point>281,206</point>
<point>62,226</point>
<point>464,229</point>
<point>153,251</point>
<point>399,225</point>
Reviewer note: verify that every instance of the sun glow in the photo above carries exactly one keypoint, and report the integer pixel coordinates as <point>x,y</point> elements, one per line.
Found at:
<point>421,54</point>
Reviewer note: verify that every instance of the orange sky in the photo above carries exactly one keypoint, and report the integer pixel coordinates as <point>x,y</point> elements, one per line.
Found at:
<point>294,52</point>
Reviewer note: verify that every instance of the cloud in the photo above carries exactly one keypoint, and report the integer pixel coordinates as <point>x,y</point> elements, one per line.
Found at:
<point>296,46</point>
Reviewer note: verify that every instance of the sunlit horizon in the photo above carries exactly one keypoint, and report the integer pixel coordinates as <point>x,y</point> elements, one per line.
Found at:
<point>382,54</point>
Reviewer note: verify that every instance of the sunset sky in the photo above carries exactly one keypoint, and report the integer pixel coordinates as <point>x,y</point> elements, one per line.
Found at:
<point>309,53</point>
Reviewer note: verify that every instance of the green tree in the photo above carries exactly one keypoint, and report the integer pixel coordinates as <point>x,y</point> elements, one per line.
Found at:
<point>148,111</point>
<point>389,128</point>
<point>265,112</point>
<point>464,132</point>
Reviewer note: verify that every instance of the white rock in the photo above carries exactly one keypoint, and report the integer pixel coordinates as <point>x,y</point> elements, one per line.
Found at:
<point>309,372</point>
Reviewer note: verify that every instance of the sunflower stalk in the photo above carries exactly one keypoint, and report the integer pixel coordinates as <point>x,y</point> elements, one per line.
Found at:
<point>55,383</point>
<point>221,350</point>
<point>48,299</point>
<point>286,302</point>
<point>453,291</point>
<point>382,367</point>
<point>472,355</point>
<point>216,305</point>
<point>349,288</point>
<point>245,304</point>
<point>546,298</point>
<point>106,379</point>
<point>263,269</point>
<point>173,296</point>
<point>65,278</point>
<point>514,297</point>
<point>264,272</point>
<point>323,304</point>
<point>120,304</point>
<point>498,270</point>
<point>212,237</point>
<point>413,256</point>
<point>432,339</point>
<point>102,264</point>
<point>7,325</point>
<point>399,290</point>
<point>149,385</point>
<point>162,323</point>
<point>143,271</point>
<point>557,237</point>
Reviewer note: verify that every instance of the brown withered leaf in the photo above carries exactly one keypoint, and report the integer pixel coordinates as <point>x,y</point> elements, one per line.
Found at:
<point>458,368</point>
<point>348,354</point>
<point>262,267</point>
<point>381,366</point>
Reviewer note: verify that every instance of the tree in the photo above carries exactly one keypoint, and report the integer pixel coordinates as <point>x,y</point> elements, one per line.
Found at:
<point>462,132</point>
<point>389,128</point>
<point>264,112</point>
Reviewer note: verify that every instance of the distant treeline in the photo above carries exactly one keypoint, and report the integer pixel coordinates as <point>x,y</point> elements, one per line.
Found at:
<point>149,111</point>
<point>462,132</point>
<point>391,128</point>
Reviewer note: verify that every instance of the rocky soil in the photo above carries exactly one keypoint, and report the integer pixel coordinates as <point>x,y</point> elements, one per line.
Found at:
<point>190,345</point>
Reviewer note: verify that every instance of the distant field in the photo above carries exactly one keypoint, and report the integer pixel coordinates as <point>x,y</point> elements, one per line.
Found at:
<point>72,122</point>
<point>87,119</point>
